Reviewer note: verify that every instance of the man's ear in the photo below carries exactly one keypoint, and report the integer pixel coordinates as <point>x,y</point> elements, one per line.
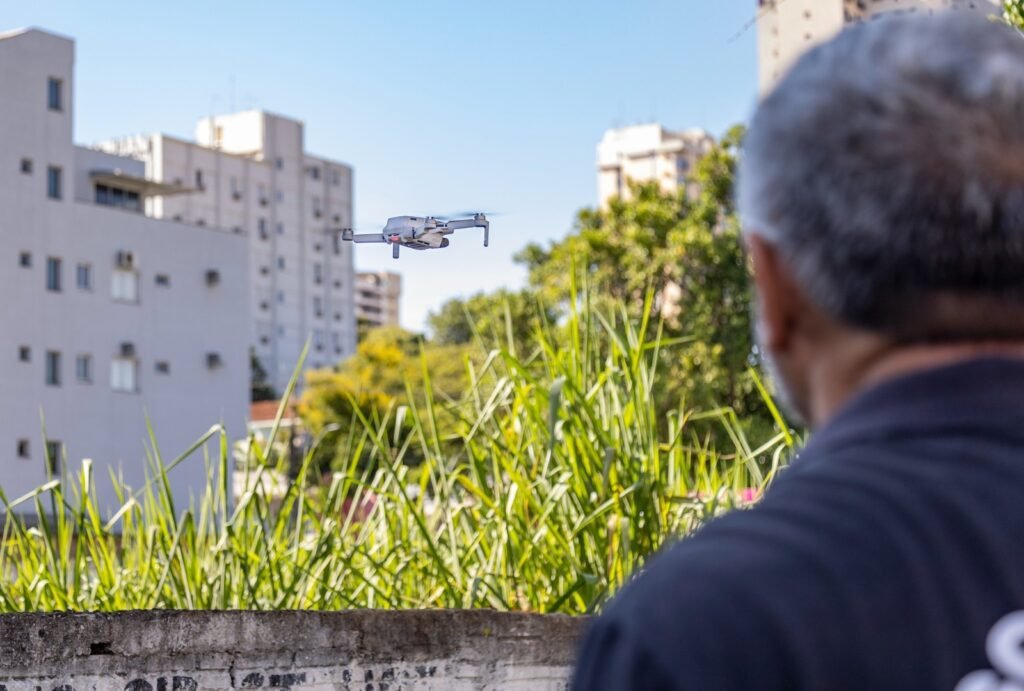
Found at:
<point>778,300</point>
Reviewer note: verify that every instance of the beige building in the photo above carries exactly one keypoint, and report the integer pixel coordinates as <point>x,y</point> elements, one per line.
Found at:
<point>641,153</point>
<point>786,28</point>
<point>376,298</point>
<point>249,174</point>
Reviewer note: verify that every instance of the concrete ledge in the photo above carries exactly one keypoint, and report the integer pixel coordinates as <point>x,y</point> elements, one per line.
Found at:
<point>368,650</point>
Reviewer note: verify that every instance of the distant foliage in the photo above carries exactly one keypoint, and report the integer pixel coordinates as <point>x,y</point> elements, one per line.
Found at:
<point>687,249</point>
<point>1013,10</point>
<point>391,368</point>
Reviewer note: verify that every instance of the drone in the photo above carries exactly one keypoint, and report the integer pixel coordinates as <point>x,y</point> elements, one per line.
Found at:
<point>419,232</point>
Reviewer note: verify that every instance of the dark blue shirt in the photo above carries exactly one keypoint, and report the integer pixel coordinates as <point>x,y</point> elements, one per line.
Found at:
<point>883,558</point>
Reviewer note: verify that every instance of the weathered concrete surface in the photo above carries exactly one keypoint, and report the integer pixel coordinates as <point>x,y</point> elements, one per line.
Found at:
<point>306,651</point>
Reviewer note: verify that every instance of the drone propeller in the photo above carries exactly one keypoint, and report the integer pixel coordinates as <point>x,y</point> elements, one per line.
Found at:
<point>464,214</point>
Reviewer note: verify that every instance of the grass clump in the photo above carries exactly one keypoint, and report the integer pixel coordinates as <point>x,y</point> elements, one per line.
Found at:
<point>553,478</point>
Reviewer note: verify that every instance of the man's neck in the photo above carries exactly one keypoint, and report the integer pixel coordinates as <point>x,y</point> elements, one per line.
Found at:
<point>867,366</point>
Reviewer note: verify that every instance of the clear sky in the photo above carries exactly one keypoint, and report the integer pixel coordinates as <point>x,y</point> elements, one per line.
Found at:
<point>440,106</point>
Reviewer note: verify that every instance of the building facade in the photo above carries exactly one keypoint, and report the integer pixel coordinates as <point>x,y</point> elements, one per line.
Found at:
<point>377,297</point>
<point>111,318</point>
<point>786,28</point>
<point>249,174</point>
<point>641,153</point>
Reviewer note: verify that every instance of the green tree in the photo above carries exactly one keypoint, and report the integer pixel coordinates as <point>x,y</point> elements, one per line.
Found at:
<point>1013,10</point>
<point>389,363</point>
<point>260,388</point>
<point>500,319</point>
<point>686,249</point>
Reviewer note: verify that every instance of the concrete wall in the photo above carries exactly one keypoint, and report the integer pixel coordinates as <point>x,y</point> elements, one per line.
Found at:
<point>305,651</point>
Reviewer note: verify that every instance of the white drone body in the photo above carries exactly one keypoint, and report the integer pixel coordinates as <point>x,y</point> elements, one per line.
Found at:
<point>419,232</point>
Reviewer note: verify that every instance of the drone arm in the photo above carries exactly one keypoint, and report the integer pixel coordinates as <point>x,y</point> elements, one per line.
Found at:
<point>477,222</point>
<point>364,237</point>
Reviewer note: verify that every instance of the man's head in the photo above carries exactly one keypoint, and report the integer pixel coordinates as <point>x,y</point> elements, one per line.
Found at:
<point>882,194</point>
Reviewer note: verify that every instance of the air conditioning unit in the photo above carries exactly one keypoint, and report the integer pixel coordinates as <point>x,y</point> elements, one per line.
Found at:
<point>125,260</point>
<point>264,201</point>
<point>236,195</point>
<point>317,213</point>
<point>212,277</point>
<point>127,349</point>
<point>213,360</point>
<point>264,305</point>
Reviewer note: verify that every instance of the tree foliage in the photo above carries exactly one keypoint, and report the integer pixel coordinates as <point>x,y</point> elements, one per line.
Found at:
<point>260,388</point>
<point>1013,11</point>
<point>390,364</point>
<point>501,318</point>
<point>686,248</point>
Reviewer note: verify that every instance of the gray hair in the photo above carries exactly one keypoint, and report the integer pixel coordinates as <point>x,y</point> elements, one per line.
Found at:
<point>887,168</point>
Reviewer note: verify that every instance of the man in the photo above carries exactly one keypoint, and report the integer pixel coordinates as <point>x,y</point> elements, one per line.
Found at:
<point>882,194</point>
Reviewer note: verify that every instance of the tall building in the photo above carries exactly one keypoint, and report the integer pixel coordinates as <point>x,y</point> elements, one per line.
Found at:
<point>786,28</point>
<point>647,152</point>
<point>110,318</point>
<point>377,296</point>
<point>248,173</point>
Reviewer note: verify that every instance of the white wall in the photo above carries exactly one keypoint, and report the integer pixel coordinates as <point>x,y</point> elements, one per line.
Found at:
<point>179,324</point>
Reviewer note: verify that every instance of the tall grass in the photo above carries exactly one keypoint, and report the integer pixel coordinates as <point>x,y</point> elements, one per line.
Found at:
<point>556,481</point>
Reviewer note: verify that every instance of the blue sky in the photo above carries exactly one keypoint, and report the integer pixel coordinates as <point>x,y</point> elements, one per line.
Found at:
<point>440,106</point>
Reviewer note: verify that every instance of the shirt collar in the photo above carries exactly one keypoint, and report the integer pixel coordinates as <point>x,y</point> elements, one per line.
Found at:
<point>983,394</point>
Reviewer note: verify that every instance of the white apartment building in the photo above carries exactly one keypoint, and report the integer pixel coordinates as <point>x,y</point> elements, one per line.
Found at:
<point>248,173</point>
<point>647,152</point>
<point>786,28</point>
<point>378,294</point>
<point>109,318</point>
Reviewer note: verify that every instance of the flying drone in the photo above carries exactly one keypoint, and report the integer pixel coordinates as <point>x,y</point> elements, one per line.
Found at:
<point>419,232</point>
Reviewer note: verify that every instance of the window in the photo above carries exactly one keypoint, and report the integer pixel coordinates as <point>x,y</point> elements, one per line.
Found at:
<point>318,273</point>
<point>52,368</point>
<point>123,372</point>
<point>262,193</point>
<point>318,306</point>
<point>24,354</point>
<point>53,265</point>
<point>83,276</point>
<point>115,196</point>
<point>23,448</point>
<point>199,180</point>
<point>163,367</point>
<point>53,182</point>
<point>318,339</point>
<point>26,166</point>
<point>279,163</point>
<point>314,172</point>
<point>236,191</point>
<point>280,228</point>
<point>83,369</point>
<point>280,263</point>
<point>280,296</point>
<point>54,456</point>
<point>335,178</point>
<point>163,280</point>
<point>280,196</point>
<point>317,212</point>
<point>54,94</point>
<point>261,224</point>
<point>336,240</point>
<point>124,285</point>
<point>25,260</point>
